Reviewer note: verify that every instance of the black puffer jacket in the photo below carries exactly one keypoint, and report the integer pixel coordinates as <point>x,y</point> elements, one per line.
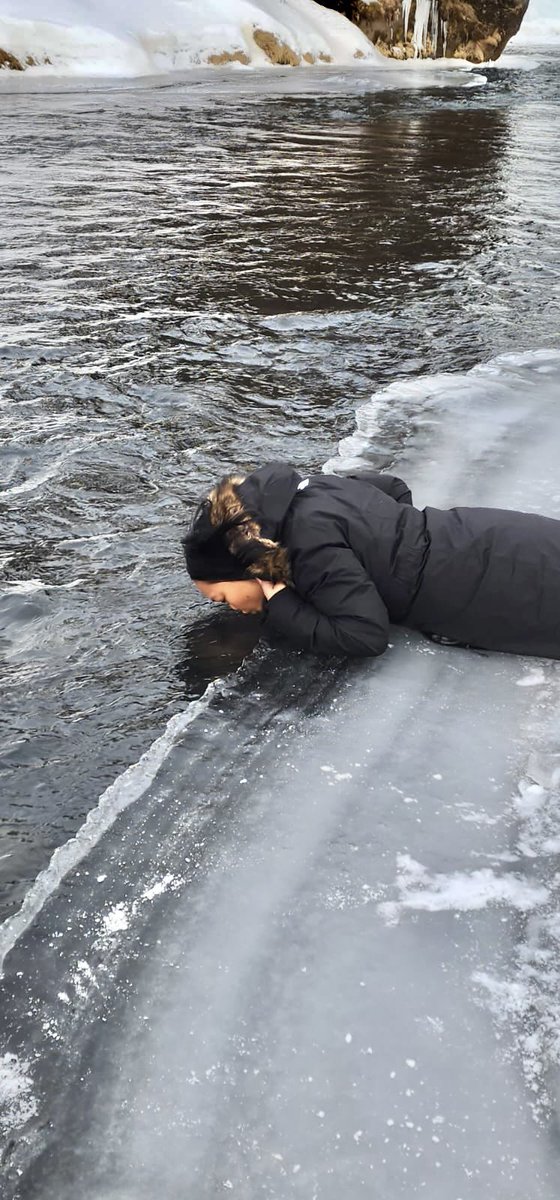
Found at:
<point>362,557</point>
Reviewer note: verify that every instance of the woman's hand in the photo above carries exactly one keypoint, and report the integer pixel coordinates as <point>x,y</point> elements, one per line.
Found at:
<point>270,589</point>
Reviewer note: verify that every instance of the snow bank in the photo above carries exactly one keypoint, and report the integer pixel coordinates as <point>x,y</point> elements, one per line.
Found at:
<point>540,25</point>
<point>138,37</point>
<point>537,33</point>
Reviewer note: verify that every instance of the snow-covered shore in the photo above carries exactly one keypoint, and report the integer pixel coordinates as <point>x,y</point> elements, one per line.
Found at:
<point>540,25</point>
<point>140,37</point>
<point>537,33</point>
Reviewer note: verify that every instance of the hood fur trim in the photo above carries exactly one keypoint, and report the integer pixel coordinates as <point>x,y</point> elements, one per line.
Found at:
<point>262,557</point>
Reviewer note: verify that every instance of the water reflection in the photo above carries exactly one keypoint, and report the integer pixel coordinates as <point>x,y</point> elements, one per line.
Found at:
<point>214,646</point>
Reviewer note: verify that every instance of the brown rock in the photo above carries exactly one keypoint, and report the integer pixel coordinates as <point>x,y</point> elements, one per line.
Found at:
<point>10,61</point>
<point>277,51</point>
<point>477,30</point>
<point>228,56</point>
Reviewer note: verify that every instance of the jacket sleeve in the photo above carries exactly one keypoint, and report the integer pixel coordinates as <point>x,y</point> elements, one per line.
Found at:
<point>390,484</point>
<point>336,610</point>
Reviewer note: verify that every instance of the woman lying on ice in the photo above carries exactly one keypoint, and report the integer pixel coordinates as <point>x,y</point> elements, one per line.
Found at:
<point>332,561</point>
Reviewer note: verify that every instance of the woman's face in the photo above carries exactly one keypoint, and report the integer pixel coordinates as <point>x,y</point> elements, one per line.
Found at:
<point>244,595</point>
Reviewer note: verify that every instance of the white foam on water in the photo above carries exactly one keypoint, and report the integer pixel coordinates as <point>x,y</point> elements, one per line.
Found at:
<point>33,482</point>
<point>125,790</point>
<point>25,587</point>
<point>458,892</point>
<point>17,1102</point>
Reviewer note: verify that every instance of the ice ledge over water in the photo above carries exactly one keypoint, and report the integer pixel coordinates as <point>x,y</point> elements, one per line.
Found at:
<point>142,37</point>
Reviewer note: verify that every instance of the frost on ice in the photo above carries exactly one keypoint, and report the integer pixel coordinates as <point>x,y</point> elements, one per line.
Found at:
<point>17,1103</point>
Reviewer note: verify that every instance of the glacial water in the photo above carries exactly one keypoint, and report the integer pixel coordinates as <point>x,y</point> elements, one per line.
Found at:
<point>273,926</point>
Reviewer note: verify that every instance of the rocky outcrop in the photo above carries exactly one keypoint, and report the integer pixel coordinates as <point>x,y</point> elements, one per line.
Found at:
<point>13,63</point>
<point>168,35</point>
<point>477,30</point>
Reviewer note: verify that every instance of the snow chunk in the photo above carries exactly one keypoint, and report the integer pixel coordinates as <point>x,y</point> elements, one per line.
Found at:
<point>532,678</point>
<point>159,887</point>
<point>116,919</point>
<point>458,892</point>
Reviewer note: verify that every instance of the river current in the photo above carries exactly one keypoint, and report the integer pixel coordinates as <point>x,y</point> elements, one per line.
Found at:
<point>200,276</point>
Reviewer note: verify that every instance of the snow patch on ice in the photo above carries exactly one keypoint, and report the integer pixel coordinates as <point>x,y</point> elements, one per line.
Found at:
<point>337,776</point>
<point>159,887</point>
<point>26,587</point>
<point>458,892</point>
<point>532,678</point>
<point>17,1102</point>
<point>117,919</point>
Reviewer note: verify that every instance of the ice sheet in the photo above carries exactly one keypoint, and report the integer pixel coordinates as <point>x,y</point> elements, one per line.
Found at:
<point>318,955</point>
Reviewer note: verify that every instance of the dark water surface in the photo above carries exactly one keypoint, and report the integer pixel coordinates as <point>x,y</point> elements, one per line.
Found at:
<point>194,282</point>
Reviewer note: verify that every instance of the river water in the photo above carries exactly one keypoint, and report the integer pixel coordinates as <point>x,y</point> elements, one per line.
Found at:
<point>201,276</point>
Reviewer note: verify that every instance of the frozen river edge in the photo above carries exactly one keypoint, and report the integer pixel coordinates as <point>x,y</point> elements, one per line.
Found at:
<point>317,956</point>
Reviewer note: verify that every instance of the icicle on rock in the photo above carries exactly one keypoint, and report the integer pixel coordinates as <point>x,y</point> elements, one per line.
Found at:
<point>426,25</point>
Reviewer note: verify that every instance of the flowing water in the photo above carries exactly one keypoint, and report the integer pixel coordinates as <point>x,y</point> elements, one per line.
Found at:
<point>201,276</point>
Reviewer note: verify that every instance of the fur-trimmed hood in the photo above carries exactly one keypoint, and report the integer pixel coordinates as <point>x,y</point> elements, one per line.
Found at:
<point>246,513</point>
